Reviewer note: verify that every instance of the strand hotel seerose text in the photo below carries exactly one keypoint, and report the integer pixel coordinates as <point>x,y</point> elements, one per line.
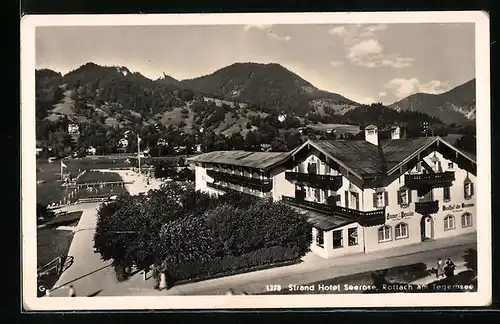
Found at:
<point>360,196</point>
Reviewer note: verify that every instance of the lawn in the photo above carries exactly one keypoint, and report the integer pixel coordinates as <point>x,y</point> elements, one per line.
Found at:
<point>64,219</point>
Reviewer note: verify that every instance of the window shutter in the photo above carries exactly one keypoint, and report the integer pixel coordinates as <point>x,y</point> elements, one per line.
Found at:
<point>347,199</point>
<point>472,189</point>
<point>409,193</point>
<point>399,197</point>
<point>357,201</point>
<point>374,199</point>
<point>386,198</point>
<point>465,190</point>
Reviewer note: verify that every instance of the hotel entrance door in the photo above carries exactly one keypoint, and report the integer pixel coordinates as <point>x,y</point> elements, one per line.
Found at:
<point>427,228</point>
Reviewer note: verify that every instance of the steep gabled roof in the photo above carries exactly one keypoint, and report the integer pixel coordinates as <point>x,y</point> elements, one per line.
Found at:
<point>359,156</point>
<point>256,160</point>
<point>398,150</point>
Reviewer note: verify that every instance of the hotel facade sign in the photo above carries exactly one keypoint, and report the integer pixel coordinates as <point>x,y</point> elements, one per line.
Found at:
<point>457,206</point>
<point>399,215</point>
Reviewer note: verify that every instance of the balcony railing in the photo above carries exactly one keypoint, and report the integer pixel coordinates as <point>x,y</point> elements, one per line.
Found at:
<point>427,207</point>
<point>227,189</point>
<point>240,180</point>
<point>432,180</point>
<point>333,182</point>
<point>364,218</point>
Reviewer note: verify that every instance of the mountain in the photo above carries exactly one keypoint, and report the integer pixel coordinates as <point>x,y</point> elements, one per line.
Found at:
<point>105,102</point>
<point>455,106</point>
<point>269,85</point>
<point>168,80</point>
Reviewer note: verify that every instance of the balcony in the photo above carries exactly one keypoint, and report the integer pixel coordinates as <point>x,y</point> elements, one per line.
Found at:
<point>315,180</point>
<point>227,189</point>
<point>240,180</point>
<point>429,180</point>
<point>364,218</point>
<point>427,207</point>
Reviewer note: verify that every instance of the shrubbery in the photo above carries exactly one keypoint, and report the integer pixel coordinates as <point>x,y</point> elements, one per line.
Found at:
<point>190,234</point>
<point>230,264</point>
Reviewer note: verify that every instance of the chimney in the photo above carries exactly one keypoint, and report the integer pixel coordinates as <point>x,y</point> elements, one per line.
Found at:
<point>371,134</point>
<point>395,132</point>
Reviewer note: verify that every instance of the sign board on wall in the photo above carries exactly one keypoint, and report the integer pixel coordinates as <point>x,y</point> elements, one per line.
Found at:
<point>400,215</point>
<point>457,207</point>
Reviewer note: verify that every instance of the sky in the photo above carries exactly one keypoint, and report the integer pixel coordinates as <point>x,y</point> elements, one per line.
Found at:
<point>365,63</point>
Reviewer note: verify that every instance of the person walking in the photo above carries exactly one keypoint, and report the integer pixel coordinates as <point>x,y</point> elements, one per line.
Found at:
<point>440,268</point>
<point>71,292</point>
<point>449,269</point>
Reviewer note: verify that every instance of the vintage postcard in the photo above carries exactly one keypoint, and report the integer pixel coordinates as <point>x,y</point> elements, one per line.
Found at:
<point>233,161</point>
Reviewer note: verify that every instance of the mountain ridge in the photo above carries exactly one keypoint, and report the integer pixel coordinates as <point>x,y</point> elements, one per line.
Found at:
<point>457,105</point>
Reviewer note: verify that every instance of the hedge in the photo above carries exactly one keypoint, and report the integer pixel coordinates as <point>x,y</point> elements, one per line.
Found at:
<point>230,265</point>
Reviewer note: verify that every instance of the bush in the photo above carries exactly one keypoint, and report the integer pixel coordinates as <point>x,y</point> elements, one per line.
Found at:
<point>260,225</point>
<point>230,264</point>
<point>470,259</point>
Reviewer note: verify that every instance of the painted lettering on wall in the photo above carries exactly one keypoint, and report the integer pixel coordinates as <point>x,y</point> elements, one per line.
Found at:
<point>399,215</point>
<point>457,206</point>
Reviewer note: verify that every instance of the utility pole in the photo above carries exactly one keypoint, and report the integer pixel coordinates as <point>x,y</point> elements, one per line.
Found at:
<point>139,152</point>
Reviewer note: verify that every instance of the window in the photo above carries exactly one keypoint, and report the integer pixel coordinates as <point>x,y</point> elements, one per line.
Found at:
<point>449,223</point>
<point>467,220</point>
<point>450,165</point>
<point>319,237</point>
<point>338,239</point>
<point>446,194</point>
<point>354,203</point>
<point>380,199</point>
<point>311,168</point>
<point>352,234</point>
<point>384,234</point>
<point>327,169</point>
<point>404,197</point>
<point>468,189</point>
<point>317,194</point>
<point>419,167</point>
<point>401,231</point>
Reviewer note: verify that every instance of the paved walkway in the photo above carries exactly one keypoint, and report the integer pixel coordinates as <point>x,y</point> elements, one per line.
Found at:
<point>89,274</point>
<point>314,268</point>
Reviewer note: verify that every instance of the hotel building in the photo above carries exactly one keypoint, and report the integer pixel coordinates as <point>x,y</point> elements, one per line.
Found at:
<point>359,195</point>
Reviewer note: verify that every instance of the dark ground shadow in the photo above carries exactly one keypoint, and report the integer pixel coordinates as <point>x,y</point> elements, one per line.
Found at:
<point>85,275</point>
<point>95,293</point>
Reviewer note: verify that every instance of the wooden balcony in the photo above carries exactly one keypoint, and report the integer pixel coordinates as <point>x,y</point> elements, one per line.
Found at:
<point>430,180</point>
<point>228,190</point>
<point>427,207</point>
<point>315,180</point>
<point>240,180</point>
<point>364,218</point>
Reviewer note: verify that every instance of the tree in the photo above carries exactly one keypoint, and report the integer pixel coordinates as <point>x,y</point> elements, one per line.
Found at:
<point>279,145</point>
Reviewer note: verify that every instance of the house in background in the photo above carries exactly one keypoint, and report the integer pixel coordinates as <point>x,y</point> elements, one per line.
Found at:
<point>359,195</point>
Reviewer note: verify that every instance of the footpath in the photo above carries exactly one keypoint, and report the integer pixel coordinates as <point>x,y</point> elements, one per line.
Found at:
<point>89,274</point>
<point>313,269</point>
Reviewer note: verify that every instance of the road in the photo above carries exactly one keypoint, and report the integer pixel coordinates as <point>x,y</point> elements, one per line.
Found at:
<point>313,270</point>
<point>89,275</point>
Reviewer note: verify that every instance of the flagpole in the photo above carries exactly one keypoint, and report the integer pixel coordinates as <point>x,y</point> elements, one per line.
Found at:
<point>139,152</point>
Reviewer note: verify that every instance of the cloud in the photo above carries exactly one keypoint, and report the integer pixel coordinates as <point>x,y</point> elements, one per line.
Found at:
<point>382,94</point>
<point>367,101</point>
<point>271,33</point>
<point>364,49</point>
<point>278,37</point>
<point>336,63</point>
<point>405,87</point>
<point>339,30</point>
<point>261,27</point>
